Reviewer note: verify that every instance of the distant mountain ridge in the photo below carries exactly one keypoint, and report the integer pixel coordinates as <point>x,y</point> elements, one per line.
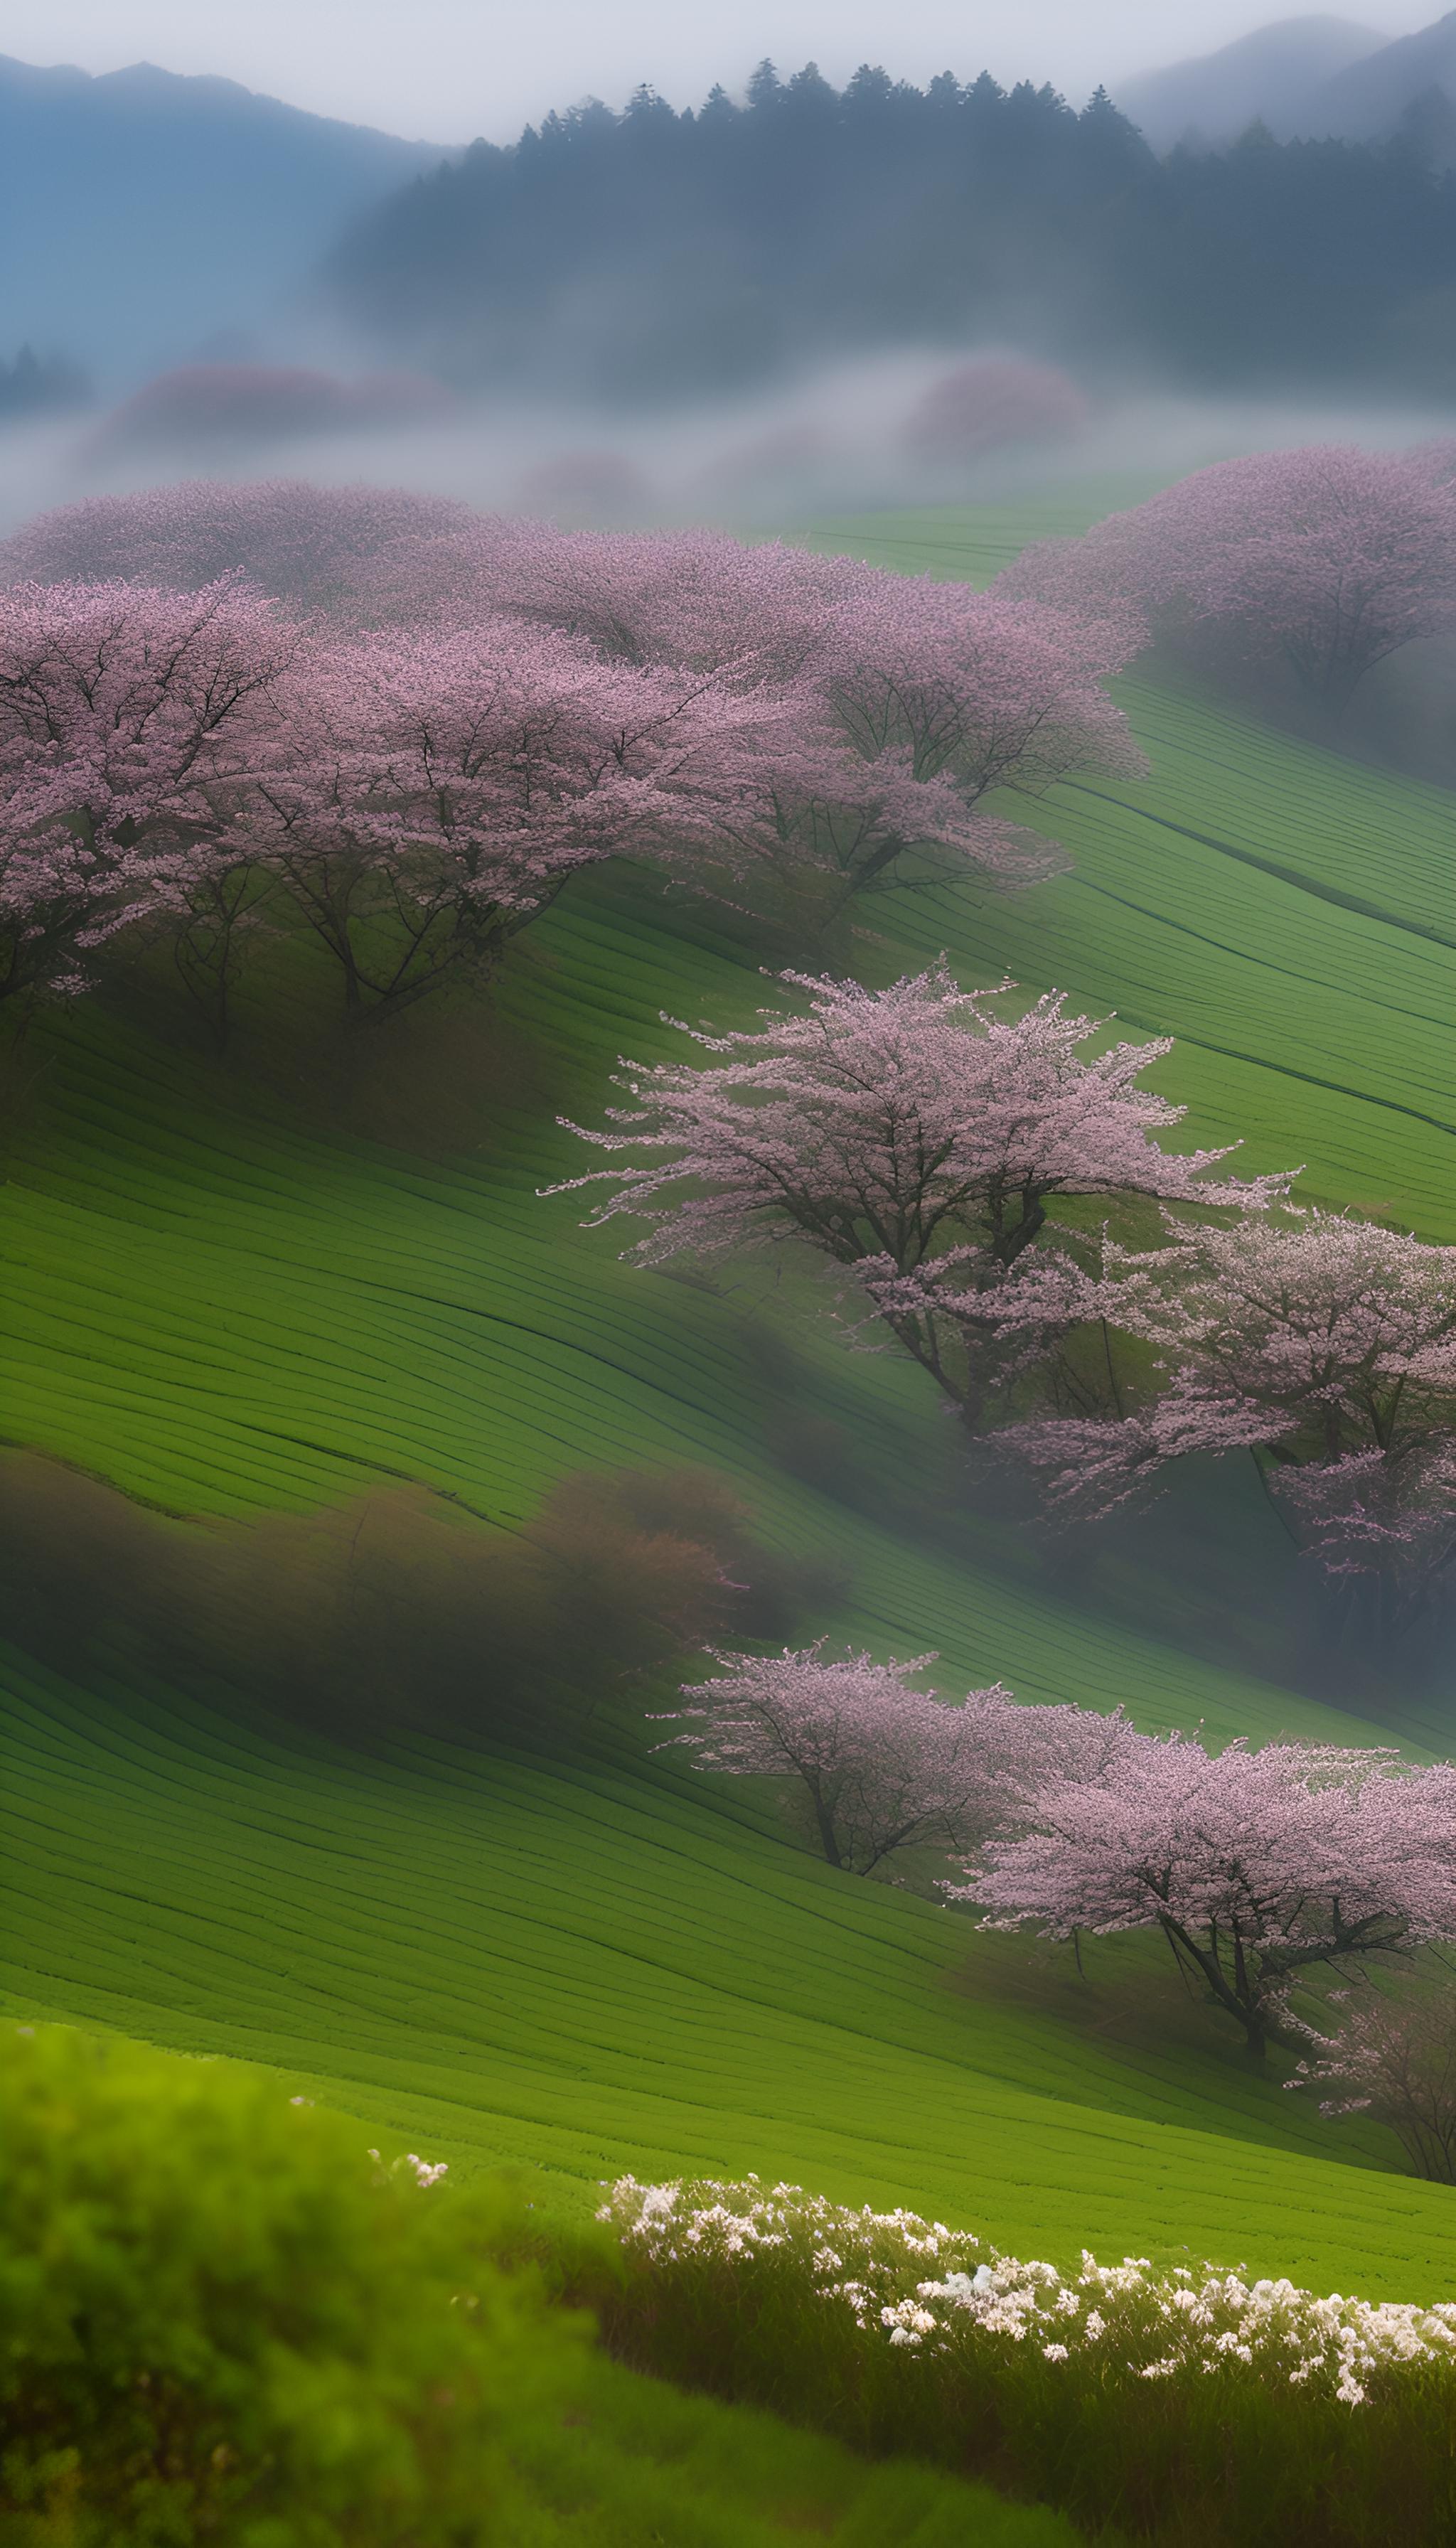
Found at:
<point>144,215</point>
<point>1268,75</point>
<point>1370,97</point>
<point>1306,78</point>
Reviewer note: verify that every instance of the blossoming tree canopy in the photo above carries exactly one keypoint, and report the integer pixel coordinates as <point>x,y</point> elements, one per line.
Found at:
<point>998,693</point>
<point>880,1766</point>
<point>1257,1866</point>
<point>292,539</point>
<point>992,403</point>
<point>1393,2057</point>
<point>911,1135</point>
<point>889,706</point>
<point>1001,693</point>
<point>697,599</point>
<point>441,789</point>
<point>1329,558</point>
<point>129,719</point>
<point>1324,1342</point>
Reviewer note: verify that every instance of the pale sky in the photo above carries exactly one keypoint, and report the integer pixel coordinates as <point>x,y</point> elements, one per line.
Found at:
<point>446,70</point>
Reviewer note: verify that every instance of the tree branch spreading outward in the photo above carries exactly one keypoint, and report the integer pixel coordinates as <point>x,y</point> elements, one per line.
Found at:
<point>916,1139</point>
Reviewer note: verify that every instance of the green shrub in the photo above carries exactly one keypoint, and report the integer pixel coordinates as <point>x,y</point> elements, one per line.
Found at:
<point>222,2322</point>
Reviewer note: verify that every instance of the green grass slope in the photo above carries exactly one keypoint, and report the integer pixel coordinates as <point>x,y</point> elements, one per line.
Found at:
<point>593,1970</point>
<point>637,2465</point>
<point>224,1306</point>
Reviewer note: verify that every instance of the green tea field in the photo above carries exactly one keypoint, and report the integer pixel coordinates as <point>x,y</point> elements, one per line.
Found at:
<point>591,1959</point>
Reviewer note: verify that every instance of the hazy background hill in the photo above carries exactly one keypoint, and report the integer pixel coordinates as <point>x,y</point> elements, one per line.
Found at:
<point>1270,75</point>
<point>656,254</point>
<point>1307,78</point>
<point>1371,96</point>
<point>144,215</point>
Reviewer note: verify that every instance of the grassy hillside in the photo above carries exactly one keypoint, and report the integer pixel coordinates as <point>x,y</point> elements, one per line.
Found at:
<point>219,1301</point>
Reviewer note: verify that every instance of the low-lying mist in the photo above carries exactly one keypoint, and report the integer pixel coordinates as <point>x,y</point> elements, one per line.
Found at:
<point>840,439</point>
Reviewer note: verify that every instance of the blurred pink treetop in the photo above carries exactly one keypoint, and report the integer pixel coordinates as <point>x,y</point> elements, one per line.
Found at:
<point>993,403</point>
<point>1327,1344</point>
<point>1327,558</point>
<point>294,541</point>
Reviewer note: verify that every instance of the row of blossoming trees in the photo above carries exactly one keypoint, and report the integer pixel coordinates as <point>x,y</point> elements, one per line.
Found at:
<point>1260,1870</point>
<point>402,729</point>
<point>940,1157</point>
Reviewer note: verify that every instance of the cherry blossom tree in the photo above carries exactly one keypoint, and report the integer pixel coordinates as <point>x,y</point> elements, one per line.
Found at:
<point>1382,1525</point>
<point>993,403</point>
<point>908,700</point>
<point>1328,560</point>
<point>293,540</point>
<point>969,684</point>
<point>130,721</point>
<point>441,790</point>
<point>695,600</point>
<point>1258,1868</point>
<point>916,1139</point>
<point>881,1767</point>
<point>1392,2058</point>
<point>210,410</point>
<point>1324,1345</point>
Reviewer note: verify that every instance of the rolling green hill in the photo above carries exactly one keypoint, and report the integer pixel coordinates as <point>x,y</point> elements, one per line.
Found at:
<point>222,1302</point>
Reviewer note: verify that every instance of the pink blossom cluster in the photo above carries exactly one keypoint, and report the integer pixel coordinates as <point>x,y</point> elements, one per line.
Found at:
<point>131,728</point>
<point>880,1767</point>
<point>462,712</point>
<point>295,541</point>
<point>916,1139</point>
<point>1325,1343</point>
<point>993,403</point>
<point>1258,1868</point>
<point>1125,2322</point>
<point>1327,558</point>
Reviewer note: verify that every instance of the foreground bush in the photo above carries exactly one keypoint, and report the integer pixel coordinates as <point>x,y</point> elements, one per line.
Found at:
<point>220,2319</point>
<point>1188,2406</point>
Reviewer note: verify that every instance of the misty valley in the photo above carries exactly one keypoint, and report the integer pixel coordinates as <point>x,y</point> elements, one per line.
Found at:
<point>728,1306</point>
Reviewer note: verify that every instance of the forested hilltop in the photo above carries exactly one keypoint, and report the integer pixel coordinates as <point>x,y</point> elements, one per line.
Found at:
<point>654,253</point>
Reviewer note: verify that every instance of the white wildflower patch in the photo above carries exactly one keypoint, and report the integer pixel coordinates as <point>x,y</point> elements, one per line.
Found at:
<point>1155,2325</point>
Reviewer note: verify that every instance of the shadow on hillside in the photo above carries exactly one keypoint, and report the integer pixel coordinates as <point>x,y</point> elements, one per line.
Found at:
<point>1125,1993</point>
<point>436,1080</point>
<point>400,1612</point>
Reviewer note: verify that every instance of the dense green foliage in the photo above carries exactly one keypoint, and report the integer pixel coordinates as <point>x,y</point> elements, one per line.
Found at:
<point>220,2318</point>
<point>653,253</point>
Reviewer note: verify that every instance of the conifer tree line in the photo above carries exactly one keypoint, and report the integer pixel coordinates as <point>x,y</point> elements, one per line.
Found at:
<point>41,385</point>
<point>808,221</point>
